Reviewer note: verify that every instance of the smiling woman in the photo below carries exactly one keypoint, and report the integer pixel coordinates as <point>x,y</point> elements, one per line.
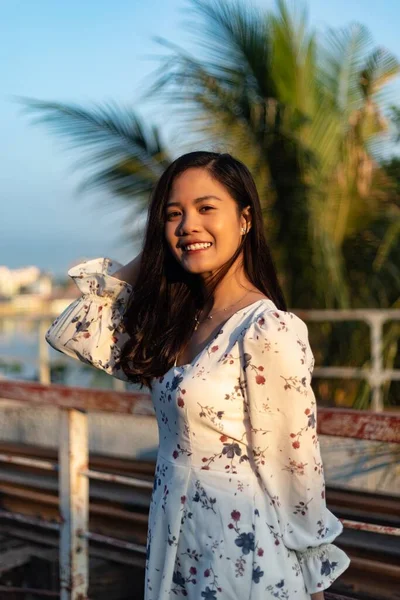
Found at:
<point>184,292</point>
<point>207,227</point>
<point>238,504</point>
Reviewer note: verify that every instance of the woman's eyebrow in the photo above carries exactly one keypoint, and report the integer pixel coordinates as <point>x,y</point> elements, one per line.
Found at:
<point>196,200</point>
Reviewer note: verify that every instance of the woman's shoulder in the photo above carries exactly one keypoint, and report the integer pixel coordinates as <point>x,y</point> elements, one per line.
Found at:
<point>267,318</point>
<point>280,336</point>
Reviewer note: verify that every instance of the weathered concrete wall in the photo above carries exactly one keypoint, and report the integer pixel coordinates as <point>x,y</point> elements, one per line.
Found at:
<point>116,435</point>
<point>357,464</point>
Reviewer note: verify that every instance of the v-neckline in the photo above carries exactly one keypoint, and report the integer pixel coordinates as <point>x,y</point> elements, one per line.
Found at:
<point>198,355</point>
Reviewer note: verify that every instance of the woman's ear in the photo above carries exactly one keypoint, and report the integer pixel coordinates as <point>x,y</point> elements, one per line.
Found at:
<point>245,220</point>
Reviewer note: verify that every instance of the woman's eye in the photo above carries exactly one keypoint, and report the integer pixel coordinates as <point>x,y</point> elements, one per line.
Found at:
<point>173,214</point>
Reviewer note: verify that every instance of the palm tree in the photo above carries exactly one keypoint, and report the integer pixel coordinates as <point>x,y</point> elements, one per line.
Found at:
<point>307,117</point>
<point>127,156</point>
<point>304,117</point>
<point>310,120</point>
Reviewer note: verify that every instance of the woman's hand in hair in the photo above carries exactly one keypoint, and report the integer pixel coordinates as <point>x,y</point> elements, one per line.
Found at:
<point>129,272</point>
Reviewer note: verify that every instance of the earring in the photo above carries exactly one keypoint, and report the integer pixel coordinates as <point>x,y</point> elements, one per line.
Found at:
<point>243,230</point>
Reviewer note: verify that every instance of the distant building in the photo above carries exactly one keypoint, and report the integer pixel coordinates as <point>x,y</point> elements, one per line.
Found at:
<point>12,280</point>
<point>43,285</point>
<point>30,290</point>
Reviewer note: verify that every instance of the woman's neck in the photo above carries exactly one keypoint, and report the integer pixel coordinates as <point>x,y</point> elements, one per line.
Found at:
<point>230,290</point>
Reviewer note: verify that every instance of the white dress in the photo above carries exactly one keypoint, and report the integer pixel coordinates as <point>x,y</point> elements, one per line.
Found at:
<point>238,507</point>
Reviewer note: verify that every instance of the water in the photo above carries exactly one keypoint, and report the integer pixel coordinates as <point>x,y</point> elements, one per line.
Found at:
<point>19,353</point>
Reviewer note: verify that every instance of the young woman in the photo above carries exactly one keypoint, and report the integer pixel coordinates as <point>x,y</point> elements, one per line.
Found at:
<point>238,507</point>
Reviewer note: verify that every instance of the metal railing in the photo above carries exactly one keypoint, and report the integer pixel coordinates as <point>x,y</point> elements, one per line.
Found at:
<point>374,318</point>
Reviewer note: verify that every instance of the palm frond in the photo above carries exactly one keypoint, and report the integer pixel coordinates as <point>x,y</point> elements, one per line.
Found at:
<point>341,60</point>
<point>127,156</point>
<point>235,37</point>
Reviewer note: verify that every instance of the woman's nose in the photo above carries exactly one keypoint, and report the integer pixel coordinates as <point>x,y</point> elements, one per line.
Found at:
<point>187,224</point>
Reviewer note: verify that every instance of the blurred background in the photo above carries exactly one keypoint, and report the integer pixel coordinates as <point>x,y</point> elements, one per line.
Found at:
<point>97,98</point>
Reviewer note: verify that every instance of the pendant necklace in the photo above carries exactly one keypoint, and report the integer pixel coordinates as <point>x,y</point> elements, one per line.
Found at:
<point>210,316</point>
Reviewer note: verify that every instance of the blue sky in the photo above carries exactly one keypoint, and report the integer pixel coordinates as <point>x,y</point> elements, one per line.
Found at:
<point>92,52</point>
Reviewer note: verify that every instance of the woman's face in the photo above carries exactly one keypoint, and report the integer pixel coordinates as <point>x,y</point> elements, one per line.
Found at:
<point>200,209</point>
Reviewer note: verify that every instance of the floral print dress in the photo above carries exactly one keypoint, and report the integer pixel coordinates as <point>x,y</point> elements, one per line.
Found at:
<point>238,508</point>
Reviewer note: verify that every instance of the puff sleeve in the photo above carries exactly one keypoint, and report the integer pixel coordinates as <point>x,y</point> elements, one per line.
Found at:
<point>90,329</point>
<point>278,364</point>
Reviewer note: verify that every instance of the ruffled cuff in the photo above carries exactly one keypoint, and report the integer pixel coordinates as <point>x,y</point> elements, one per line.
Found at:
<point>91,328</point>
<point>94,277</point>
<point>321,565</point>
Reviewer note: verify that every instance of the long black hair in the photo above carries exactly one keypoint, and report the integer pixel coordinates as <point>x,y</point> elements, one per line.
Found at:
<point>166,298</point>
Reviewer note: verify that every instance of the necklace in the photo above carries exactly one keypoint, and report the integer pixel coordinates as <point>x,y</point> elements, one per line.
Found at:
<point>210,316</point>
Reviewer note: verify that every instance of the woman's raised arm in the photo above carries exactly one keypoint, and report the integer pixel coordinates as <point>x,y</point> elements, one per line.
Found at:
<point>91,328</point>
<point>129,272</point>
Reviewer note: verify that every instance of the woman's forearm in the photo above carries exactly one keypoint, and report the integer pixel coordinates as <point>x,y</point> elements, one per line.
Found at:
<point>318,596</point>
<point>130,271</point>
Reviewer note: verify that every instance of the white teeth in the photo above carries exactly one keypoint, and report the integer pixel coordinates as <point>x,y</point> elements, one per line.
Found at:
<point>197,246</point>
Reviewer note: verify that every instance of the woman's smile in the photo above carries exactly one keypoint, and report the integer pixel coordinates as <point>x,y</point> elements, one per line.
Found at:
<point>196,248</point>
